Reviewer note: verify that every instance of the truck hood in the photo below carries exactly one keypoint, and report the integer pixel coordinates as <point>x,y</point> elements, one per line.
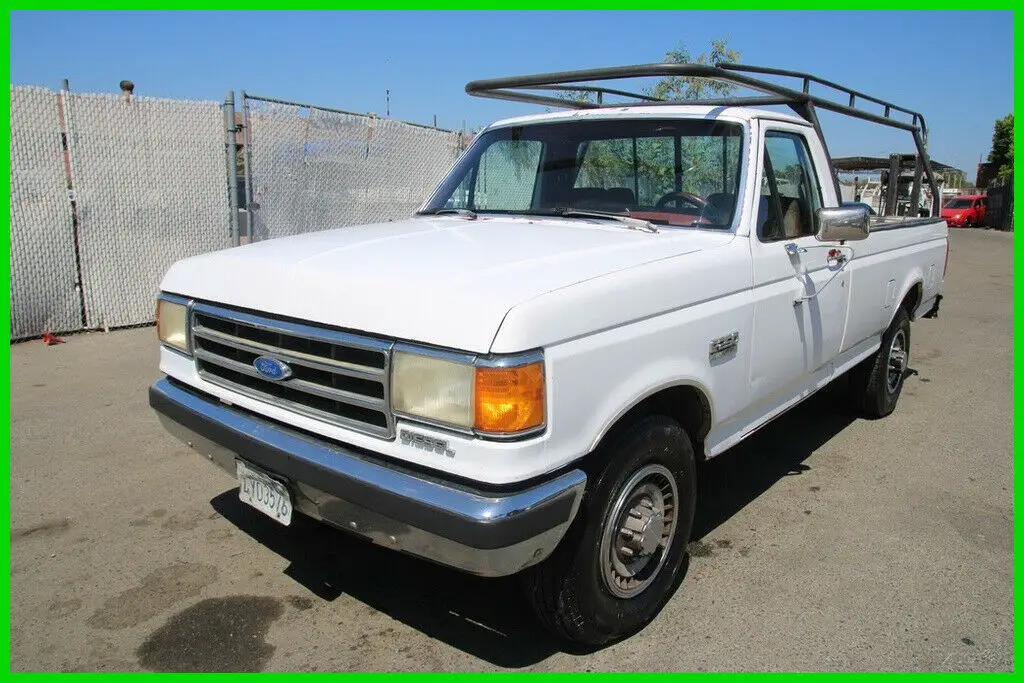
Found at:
<point>447,281</point>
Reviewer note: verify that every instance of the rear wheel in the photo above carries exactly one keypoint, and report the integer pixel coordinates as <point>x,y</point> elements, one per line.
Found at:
<point>877,382</point>
<point>615,569</point>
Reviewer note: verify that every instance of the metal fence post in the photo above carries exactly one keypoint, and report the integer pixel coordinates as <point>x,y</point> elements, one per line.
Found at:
<point>65,122</point>
<point>232,158</point>
<point>247,160</point>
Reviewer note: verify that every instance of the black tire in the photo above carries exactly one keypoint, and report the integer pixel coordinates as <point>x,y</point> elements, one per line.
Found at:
<point>569,591</point>
<point>874,389</point>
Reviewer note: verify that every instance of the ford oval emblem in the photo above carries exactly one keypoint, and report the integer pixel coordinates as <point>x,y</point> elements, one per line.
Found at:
<point>272,368</point>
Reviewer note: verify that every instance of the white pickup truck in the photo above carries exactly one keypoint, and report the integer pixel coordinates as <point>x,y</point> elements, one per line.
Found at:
<point>524,376</point>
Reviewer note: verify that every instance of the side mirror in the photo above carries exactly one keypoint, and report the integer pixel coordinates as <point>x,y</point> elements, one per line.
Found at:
<point>840,223</point>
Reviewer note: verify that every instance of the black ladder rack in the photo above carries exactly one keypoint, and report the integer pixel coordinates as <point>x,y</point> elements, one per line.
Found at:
<point>802,101</point>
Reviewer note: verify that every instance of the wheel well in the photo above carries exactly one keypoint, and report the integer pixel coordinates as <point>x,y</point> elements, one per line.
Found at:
<point>913,299</point>
<point>684,403</point>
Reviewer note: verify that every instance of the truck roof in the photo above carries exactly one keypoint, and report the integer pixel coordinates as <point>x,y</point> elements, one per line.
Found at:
<point>697,111</point>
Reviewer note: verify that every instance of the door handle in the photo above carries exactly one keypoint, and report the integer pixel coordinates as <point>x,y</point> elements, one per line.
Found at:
<point>837,257</point>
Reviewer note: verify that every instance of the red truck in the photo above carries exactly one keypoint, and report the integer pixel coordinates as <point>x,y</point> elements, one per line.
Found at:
<point>965,210</point>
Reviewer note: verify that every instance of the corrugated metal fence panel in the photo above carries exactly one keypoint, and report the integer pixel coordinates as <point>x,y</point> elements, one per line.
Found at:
<point>999,213</point>
<point>315,170</point>
<point>150,181</point>
<point>43,293</point>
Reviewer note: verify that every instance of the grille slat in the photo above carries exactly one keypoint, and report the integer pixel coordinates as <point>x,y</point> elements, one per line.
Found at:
<point>298,384</point>
<point>300,357</point>
<point>337,377</point>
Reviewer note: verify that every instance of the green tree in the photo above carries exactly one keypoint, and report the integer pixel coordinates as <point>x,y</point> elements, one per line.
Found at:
<point>1001,155</point>
<point>583,96</point>
<point>680,87</point>
<point>611,163</point>
<point>691,87</point>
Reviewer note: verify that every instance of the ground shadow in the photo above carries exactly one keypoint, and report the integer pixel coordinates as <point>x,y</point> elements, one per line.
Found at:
<point>728,483</point>
<point>488,618</point>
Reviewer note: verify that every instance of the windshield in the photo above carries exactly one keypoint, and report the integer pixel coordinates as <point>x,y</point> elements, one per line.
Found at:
<point>958,204</point>
<point>670,172</point>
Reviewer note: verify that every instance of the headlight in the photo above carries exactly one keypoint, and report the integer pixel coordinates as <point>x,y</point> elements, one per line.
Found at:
<point>499,399</point>
<point>433,388</point>
<point>958,216</point>
<point>171,324</point>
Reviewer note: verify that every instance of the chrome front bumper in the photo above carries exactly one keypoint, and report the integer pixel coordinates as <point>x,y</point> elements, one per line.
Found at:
<point>482,532</point>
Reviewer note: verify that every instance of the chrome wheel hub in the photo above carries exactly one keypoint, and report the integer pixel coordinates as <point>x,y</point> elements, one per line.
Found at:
<point>638,531</point>
<point>641,533</point>
<point>897,364</point>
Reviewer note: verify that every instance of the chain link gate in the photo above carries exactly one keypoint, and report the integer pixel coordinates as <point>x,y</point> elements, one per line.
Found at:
<point>150,186</point>
<point>44,280</point>
<point>312,168</point>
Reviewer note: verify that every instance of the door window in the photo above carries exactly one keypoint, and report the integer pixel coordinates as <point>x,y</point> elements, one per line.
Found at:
<point>790,195</point>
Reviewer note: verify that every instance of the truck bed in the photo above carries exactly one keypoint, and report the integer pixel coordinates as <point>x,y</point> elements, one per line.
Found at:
<point>892,222</point>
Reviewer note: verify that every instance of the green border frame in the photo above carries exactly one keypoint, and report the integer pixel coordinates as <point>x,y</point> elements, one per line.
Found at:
<point>1018,291</point>
<point>5,377</point>
<point>1018,328</point>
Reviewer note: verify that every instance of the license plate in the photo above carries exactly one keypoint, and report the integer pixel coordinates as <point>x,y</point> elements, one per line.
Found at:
<point>264,493</point>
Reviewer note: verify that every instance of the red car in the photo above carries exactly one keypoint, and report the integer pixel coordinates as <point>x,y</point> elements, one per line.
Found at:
<point>965,210</point>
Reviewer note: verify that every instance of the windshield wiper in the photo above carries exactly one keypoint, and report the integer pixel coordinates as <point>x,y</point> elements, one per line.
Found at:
<point>632,223</point>
<point>465,213</point>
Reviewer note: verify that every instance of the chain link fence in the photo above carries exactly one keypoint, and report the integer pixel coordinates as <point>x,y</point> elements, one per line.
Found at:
<point>108,191</point>
<point>313,168</point>
<point>44,282</point>
<point>150,186</point>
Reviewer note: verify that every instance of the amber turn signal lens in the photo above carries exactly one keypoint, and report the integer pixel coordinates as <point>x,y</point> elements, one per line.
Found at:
<point>509,400</point>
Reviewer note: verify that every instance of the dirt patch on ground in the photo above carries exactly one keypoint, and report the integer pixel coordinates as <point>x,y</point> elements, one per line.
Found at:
<point>158,592</point>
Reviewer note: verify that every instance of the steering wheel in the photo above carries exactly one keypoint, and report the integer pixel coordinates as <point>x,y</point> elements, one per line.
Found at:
<point>682,201</point>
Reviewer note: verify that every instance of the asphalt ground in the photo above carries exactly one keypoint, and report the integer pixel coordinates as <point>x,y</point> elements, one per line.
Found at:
<point>823,542</point>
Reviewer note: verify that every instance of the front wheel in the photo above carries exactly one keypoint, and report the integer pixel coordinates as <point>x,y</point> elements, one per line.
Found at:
<point>617,566</point>
<point>877,382</point>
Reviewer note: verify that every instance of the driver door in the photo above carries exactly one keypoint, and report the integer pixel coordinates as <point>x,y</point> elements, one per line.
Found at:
<point>801,290</point>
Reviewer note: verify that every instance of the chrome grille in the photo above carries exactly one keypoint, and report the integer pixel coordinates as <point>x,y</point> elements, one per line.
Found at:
<point>337,377</point>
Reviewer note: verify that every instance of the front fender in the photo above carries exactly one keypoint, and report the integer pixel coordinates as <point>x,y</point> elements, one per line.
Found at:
<point>598,379</point>
<point>646,383</point>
